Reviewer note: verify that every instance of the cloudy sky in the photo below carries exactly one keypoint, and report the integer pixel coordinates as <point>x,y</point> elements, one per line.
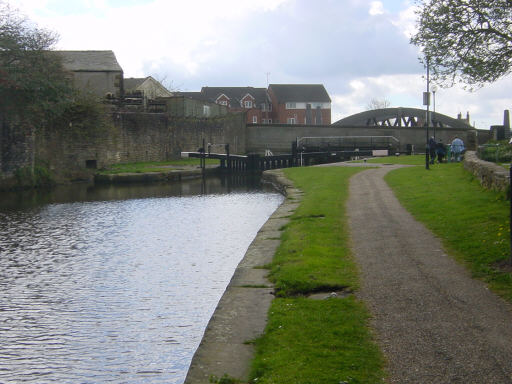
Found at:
<point>359,49</point>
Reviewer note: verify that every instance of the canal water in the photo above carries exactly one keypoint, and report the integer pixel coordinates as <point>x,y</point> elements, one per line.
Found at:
<point>116,284</point>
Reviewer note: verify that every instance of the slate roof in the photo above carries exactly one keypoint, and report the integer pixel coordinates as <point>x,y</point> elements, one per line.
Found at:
<point>132,83</point>
<point>191,95</point>
<point>300,93</point>
<point>235,94</point>
<point>90,61</point>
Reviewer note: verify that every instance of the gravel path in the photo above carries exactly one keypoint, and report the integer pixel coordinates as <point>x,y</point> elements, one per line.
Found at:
<point>434,323</point>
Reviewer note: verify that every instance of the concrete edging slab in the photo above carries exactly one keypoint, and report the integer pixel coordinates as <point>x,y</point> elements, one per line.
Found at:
<point>241,314</point>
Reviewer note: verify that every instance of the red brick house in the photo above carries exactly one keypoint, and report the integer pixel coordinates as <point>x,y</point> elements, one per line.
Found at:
<point>253,101</point>
<point>280,104</point>
<point>300,104</point>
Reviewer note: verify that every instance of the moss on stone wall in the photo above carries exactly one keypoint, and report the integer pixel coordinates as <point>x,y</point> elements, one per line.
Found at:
<point>87,137</point>
<point>37,177</point>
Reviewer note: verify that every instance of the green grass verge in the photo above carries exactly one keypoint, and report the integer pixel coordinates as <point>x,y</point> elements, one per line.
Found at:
<point>310,341</point>
<point>316,341</point>
<point>154,166</point>
<point>403,159</point>
<point>472,222</point>
<point>313,255</point>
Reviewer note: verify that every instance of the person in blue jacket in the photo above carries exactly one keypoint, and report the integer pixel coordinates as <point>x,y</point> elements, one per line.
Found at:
<point>457,148</point>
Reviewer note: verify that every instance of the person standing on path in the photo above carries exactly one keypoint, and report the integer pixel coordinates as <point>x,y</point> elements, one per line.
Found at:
<point>440,151</point>
<point>457,148</point>
<point>432,149</point>
<point>433,322</point>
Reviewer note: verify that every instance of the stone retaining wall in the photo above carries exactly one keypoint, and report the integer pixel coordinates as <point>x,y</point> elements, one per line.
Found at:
<point>69,153</point>
<point>490,175</point>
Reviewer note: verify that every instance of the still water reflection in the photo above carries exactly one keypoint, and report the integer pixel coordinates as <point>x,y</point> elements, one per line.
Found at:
<point>118,290</point>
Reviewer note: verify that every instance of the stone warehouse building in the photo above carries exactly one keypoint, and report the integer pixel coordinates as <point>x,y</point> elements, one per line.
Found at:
<point>95,71</point>
<point>147,87</point>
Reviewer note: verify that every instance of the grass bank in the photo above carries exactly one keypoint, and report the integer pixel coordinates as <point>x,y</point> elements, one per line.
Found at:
<point>154,166</point>
<point>327,341</point>
<point>316,341</point>
<point>472,222</point>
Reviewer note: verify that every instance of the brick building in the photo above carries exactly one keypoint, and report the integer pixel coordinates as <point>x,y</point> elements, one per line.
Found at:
<point>279,104</point>
<point>253,101</point>
<point>300,104</point>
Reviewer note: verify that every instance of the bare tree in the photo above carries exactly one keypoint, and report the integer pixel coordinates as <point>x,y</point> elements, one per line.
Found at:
<point>378,104</point>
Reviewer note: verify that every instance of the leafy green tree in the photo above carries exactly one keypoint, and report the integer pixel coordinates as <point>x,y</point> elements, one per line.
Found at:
<point>32,79</point>
<point>466,41</point>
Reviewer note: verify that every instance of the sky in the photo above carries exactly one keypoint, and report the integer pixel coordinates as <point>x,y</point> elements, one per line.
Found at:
<point>358,49</point>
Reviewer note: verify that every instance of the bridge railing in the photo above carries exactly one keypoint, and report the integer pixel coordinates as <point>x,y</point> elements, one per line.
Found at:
<point>346,143</point>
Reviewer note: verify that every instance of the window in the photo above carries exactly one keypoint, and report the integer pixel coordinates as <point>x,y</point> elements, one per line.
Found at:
<point>267,121</point>
<point>291,105</point>
<point>255,119</point>
<point>266,107</point>
<point>206,110</point>
<point>290,120</point>
<point>223,102</point>
<point>248,104</point>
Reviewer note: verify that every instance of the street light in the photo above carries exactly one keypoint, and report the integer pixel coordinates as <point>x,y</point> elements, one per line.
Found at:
<point>434,119</point>
<point>426,101</point>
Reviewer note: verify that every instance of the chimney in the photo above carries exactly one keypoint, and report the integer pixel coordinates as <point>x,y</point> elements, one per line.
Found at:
<point>506,123</point>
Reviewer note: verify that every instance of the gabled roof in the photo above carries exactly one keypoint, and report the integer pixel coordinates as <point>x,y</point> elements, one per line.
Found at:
<point>132,83</point>
<point>191,95</point>
<point>90,61</point>
<point>222,94</point>
<point>300,93</point>
<point>247,94</point>
<point>235,94</point>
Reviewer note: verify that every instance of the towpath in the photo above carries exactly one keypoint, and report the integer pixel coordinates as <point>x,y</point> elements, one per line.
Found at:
<point>434,323</point>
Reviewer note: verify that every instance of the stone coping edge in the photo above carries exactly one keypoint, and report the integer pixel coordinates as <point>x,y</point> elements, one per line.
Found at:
<point>241,314</point>
<point>150,177</point>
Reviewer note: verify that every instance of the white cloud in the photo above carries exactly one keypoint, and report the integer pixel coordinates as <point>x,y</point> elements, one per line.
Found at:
<point>359,49</point>
<point>406,20</point>
<point>485,105</point>
<point>376,8</point>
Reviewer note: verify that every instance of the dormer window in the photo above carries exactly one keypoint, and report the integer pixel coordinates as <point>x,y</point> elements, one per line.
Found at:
<point>291,105</point>
<point>248,103</point>
<point>222,100</point>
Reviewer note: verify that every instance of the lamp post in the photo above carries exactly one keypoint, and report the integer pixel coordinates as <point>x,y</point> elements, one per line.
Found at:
<point>434,118</point>
<point>426,101</point>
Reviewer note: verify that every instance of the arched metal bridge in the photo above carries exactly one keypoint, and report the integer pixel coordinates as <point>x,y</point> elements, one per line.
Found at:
<point>401,117</point>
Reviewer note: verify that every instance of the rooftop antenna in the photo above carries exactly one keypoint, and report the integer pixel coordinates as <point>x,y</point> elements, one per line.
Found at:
<point>268,74</point>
